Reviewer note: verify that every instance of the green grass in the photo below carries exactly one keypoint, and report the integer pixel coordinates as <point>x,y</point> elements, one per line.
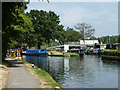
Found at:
<point>50,82</point>
<point>111,52</point>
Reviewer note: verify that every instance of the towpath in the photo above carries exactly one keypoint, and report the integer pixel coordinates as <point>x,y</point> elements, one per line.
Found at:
<point>19,77</point>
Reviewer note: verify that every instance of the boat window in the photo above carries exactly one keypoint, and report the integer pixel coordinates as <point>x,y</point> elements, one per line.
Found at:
<point>42,50</point>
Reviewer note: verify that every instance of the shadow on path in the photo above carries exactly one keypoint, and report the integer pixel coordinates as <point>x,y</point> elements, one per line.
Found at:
<point>13,63</point>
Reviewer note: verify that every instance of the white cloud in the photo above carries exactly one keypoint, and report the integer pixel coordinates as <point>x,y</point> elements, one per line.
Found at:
<point>75,15</point>
<point>84,0</point>
<point>77,0</point>
<point>102,17</point>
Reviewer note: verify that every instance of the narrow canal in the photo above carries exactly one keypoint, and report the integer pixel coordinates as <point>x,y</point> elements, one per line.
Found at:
<point>78,72</point>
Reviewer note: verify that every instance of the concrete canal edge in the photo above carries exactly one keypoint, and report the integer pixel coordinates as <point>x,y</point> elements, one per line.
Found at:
<point>107,57</point>
<point>44,77</point>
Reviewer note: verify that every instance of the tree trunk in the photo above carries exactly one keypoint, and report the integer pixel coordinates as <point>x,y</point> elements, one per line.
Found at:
<point>39,45</point>
<point>48,43</point>
<point>84,41</point>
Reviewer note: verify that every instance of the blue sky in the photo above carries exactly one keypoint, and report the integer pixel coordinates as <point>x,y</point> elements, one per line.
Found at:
<point>103,16</point>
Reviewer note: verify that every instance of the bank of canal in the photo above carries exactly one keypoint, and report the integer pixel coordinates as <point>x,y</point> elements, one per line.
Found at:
<point>111,54</point>
<point>79,72</point>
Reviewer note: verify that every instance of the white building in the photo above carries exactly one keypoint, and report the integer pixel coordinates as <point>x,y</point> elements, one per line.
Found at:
<point>88,42</point>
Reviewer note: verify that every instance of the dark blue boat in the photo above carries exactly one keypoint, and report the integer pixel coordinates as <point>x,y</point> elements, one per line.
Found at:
<point>81,52</point>
<point>38,52</point>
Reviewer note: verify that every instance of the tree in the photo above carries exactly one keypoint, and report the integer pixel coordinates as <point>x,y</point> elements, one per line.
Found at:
<point>26,31</point>
<point>7,19</point>
<point>85,30</point>
<point>93,38</point>
<point>46,26</point>
<point>14,24</point>
<point>59,34</point>
<point>71,35</point>
<point>109,39</point>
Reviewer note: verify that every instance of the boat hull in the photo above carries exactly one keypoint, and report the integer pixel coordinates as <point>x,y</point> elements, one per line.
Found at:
<point>40,54</point>
<point>82,54</point>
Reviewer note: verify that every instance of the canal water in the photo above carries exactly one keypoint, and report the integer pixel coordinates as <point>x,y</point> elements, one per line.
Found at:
<point>79,72</point>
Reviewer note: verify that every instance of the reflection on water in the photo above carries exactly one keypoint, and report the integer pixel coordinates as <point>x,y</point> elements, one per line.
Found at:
<point>79,72</point>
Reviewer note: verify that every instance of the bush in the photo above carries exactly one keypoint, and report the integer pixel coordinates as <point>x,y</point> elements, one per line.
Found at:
<point>111,52</point>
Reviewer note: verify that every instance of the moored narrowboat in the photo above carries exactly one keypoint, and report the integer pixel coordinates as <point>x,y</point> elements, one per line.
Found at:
<point>38,52</point>
<point>87,51</point>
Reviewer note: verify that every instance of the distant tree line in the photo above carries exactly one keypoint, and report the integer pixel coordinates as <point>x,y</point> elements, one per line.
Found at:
<point>109,39</point>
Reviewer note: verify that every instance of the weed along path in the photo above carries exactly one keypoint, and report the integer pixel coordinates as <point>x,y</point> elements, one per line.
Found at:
<point>19,77</point>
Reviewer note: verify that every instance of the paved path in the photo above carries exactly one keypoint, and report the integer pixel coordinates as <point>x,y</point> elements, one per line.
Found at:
<point>19,77</point>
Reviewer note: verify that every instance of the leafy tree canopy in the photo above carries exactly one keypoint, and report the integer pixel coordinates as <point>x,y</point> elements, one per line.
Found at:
<point>14,24</point>
<point>71,35</point>
<point>46,26</point>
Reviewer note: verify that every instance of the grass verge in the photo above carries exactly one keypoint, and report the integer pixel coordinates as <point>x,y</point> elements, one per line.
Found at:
<point>46,78</point>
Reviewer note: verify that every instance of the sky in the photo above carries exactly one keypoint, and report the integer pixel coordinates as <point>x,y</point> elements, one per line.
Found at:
<point>102,16</point>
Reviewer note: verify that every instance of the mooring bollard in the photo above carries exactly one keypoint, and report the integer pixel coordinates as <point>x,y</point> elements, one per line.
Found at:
<point>32,65</point>
<point>57,88</point>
